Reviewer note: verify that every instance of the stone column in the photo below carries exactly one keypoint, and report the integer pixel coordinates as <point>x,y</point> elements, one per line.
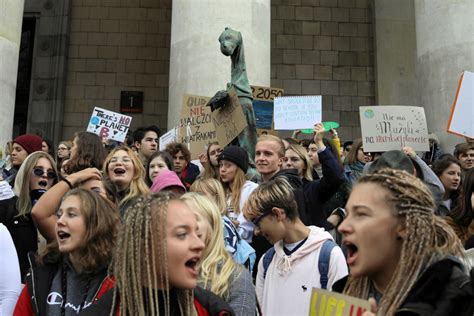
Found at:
<point>445,47</point>
<point>11,19</point>
<point>196,64</point>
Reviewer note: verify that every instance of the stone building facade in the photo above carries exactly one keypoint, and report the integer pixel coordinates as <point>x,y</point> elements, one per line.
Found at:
<point>352,52</point>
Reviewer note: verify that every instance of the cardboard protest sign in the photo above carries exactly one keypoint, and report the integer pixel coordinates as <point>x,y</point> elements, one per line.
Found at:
<point>109,125</point>
<point>263,105</point>
<point>462,113</point>
<point>229,121</point>
<point>326,303</point>
<point>393,127</point>
<point>196,127</point>
<point>170,136</point>
<point>298,112</point>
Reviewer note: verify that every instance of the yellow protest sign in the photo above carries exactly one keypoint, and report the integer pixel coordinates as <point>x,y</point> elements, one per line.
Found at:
<point>326,303</point>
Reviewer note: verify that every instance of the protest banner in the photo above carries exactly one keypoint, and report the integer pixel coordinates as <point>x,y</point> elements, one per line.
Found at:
<point>326,303</point>
<point>393,127</point>
<point>170,136</point>
<point>108,124</point>
<point>263,105</point>
<point>462,113</point>
<point>298,112</point>
<point>196,127</point>
<point>229,121</point>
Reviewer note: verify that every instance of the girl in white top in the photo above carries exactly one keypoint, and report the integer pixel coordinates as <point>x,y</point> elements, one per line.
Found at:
<point>10,282</point>
<point>233,165</point>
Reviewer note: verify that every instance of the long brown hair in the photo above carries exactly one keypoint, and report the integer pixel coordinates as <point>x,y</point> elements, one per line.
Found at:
<point>89,153</point>
<point>102,221</point>
<point>427,237</point>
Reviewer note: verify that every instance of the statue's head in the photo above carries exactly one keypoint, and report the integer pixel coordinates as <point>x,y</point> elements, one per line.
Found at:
<point>230,40</point>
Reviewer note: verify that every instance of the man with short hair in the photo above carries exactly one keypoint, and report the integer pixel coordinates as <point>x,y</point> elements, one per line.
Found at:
<point>146,142</point>
<point>269,156</point>
<point>184,168</point>
<point>464,152</point>
<point>302,257</point>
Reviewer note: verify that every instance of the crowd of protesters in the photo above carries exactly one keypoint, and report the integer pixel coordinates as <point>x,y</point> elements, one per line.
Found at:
<point>125,229</point>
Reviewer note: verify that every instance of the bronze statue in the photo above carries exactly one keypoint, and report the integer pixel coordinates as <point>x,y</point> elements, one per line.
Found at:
<point>233,46</point>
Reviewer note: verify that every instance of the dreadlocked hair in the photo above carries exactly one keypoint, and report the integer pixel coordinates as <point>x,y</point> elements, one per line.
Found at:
<point>427,237</point>
<point>141,243</point>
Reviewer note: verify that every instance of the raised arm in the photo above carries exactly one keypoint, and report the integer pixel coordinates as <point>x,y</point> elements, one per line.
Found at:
<point>44,211</point>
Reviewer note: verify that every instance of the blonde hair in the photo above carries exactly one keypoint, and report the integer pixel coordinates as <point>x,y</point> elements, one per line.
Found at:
<point>303,154</point>
<point>137,186</point>
<point>214,188</point>
<point>22,180</point>
<point>235,189</point>
<point>273,193</point>
<point>275,139</point>
<point>427,237</point>
<point>140,243</point>
<point>217,265</point>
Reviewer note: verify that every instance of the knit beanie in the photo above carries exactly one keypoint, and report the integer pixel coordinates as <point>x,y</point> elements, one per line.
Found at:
<point>166,179</point>
<point>236,155</point>
<point>29,142</point>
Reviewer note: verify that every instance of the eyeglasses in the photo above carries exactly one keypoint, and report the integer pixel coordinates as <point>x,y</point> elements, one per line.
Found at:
<point>256,221</point>
<point>62,148</point>
<point>40,172</point>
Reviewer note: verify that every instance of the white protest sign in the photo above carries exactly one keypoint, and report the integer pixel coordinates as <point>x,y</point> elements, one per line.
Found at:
<point>108,124</point>
<point>461,121</point>
<point>393,127</point>
<point>169,137</point>
<point>298,112</point>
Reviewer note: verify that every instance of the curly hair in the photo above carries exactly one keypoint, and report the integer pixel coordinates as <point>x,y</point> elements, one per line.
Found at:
<point>102,221</point>
<point>140,243</point>
<point>175,148</point>
<point>427,237</point>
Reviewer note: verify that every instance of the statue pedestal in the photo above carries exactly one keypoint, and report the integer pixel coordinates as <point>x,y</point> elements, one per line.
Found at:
<point>196,64</point>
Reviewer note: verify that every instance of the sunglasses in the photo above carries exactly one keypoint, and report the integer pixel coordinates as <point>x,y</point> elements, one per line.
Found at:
<point>256,221</point>
<point>40,172</point>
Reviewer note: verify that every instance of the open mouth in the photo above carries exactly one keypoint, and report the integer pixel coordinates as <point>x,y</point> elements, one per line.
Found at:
<point>352,252</point>
<point>119,171</point>
<point>192,264</point>
<point>43,183</point>
<point>63,235</point>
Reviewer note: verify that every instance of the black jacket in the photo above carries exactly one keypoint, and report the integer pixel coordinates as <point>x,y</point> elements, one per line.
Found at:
<point>23,232</point>
<point>443,289</point>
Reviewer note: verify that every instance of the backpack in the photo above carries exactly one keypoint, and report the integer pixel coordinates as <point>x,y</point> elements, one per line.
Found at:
<point>323,261</point>
<point>239,248</point>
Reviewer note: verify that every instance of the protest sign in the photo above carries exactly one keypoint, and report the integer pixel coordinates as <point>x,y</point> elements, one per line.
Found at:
<point>462,113</point>
<point>326,303</point>
<point>263,105</point>
<point>196,127</point>
<point>298,112</point>
<point>393,127</point>
<point>170,136</point>
<point>229,121</point>
<point>108,124</point>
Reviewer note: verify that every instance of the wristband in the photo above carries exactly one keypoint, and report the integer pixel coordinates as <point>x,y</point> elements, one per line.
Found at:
<point>68,183</point>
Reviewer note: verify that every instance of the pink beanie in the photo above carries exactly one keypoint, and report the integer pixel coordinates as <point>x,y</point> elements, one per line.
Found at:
<point>166,179</point>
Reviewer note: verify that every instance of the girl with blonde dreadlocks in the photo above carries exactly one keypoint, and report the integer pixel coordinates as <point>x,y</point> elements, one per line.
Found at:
<point>399,252</point>
<point>219,272</point>
<point>156,261</point>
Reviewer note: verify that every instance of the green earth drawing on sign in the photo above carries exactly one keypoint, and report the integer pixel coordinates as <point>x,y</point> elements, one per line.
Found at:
<point>369,113</point>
